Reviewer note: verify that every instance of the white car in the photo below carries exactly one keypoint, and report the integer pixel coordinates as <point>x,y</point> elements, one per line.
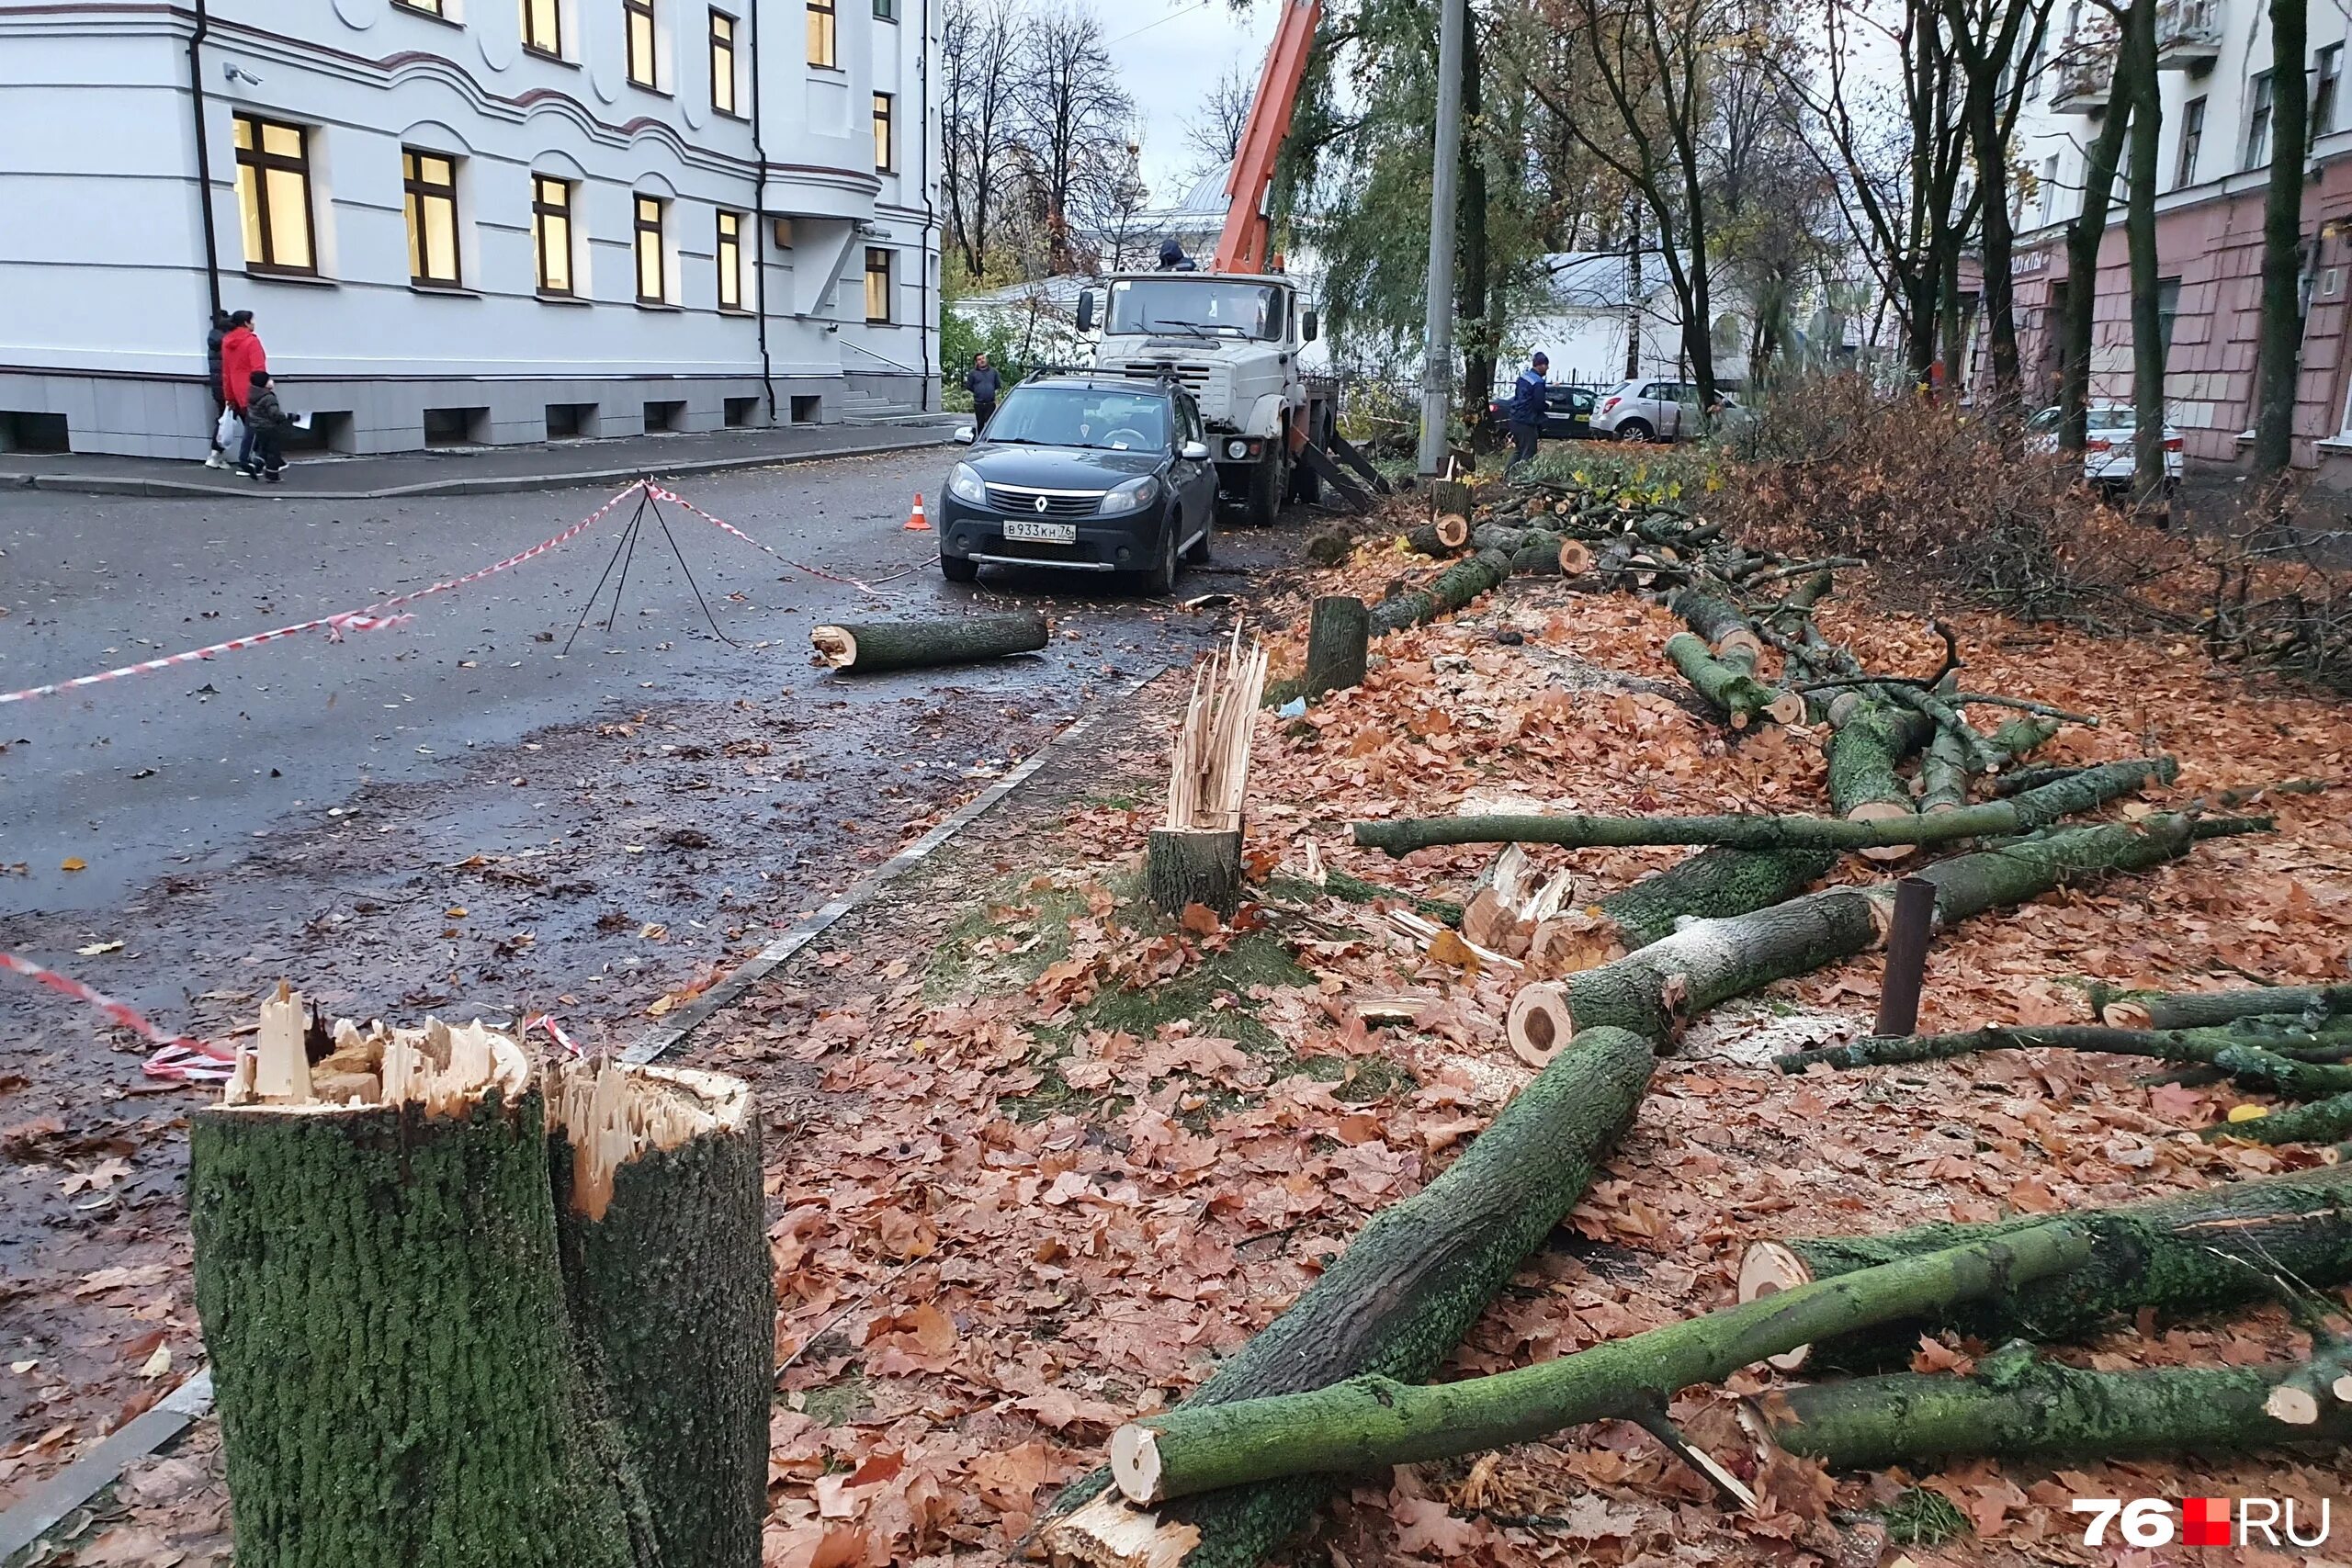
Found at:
<point>2108,462</point>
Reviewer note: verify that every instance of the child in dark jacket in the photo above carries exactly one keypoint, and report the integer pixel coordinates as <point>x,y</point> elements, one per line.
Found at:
<point>267,419</point>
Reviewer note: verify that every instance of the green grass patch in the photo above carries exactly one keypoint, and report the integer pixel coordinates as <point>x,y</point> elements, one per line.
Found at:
<point>965,963</point>
<point>838,1402</point>
<point>1921,1518</point>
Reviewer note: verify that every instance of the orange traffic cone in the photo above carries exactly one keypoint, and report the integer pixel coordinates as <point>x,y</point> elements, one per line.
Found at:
<point>916,522</point>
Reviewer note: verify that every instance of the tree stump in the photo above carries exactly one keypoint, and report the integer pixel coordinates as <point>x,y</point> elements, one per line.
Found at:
<point>1338,633</point>
<point>1184,867</point>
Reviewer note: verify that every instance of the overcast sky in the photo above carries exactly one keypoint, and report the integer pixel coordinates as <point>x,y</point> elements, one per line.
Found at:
<point>1170,51</point>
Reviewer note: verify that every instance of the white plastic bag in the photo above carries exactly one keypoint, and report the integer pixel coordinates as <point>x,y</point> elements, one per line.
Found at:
<point>230,434</point>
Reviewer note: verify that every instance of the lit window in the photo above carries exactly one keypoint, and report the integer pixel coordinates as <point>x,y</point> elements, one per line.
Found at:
<point>885,149</point>
<point>639,16</point>
<point>543,27</point>
<point>821,21</point>
<point>730,261</point>
<point>650,288</point>
<point>877,284</point>
<point>274,195</point>
<point>552,232</point>
<point>722,63</point>
<point>429,191</point>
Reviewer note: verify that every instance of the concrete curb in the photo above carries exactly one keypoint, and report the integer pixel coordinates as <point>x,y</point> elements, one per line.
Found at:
<point>57,1498</point>
<point>503,484</point>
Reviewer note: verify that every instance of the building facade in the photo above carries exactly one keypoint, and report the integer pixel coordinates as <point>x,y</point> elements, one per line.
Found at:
<point>2214,59</point>
<point>463,221</point>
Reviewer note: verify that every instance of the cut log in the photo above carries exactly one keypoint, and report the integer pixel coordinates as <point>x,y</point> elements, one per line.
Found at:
<point>2197,1010</point>
<point>1187,866</point>
<point>1330,546</point>
<point>1395,1302</point>
<point>1943,774</point>
<point>2021,736</point>
<point>2018,1405</point>
<point>2211,1046</point>
<point>2320,1121</point>
<point>1449,591</point>
<point>1425,541</point>
<point>2019,814</point>
<point>384,1313</point>
<point>1723,626</point>
<point>662,1227</point>
<point>1576,558</point>
<point>1338,631</point>
<point>1708,886</point>
<point>1708,962</point>
<point>1369,1423</point>
<point>870,646</point>
<point>1730,684</point>
<point>1868,742</point>
<point>2194,1252</point>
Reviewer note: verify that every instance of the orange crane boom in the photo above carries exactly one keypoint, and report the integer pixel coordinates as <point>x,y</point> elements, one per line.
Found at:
<point>1248,237</point>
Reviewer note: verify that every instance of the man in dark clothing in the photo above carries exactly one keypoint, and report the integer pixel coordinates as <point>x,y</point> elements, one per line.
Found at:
<point>1527,412</point>
<point>218,458</point>
<point>1173,259</point>
<point>984,384</point>
<point>266,421</point>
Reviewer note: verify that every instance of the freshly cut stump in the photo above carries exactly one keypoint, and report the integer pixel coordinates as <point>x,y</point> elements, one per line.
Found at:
<point>376,1274</point>
<point>662,1227</point>
<point>1339,632</point>
<point>869,646</point>
<point>1185,866</point>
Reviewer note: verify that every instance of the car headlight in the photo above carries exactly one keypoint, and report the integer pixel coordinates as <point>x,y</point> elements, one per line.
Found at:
<point>1236,448</point>
<point>1133,495</point>
<point>965,485</point>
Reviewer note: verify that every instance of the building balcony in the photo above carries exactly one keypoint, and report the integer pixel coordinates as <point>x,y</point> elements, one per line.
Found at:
<point>2086,75</point>
<point>2189,35</point>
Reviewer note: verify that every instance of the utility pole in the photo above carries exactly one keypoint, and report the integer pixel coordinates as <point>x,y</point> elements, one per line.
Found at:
<point>1437,367</point>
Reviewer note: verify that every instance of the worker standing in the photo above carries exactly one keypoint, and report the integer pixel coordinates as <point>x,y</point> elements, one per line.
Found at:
<point>984,384</point>
<point>1527,412</point>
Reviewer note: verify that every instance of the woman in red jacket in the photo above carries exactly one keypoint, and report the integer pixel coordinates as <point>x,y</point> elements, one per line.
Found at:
<point>241,355</point>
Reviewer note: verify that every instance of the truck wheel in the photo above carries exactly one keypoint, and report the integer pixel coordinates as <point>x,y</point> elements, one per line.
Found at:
<point>1266,485</point>
<point>1306,484</point>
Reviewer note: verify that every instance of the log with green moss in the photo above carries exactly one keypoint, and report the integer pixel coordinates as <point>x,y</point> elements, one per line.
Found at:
<point>1728,682</point>
<point>1869,740</point>
<point>662,1227</point>
<point>1371,1422</point>
<point>866,648</point>
<point>386,1321</point>
<point>1708,886</point>
<point>2019,814</point>
<point>2221,1046</point>
<point>1717,621</point>
<point>2189,1253</point>
<point>1708,962</point>
<point>2019,1405</point>
<point>1394,1304</point>
<point>2325,1120</point>
<point>2197,1010</point>
<point>1944,772</point>
<point>1449,591</point>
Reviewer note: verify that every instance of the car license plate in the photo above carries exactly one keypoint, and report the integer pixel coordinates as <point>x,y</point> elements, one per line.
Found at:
<point>1044,533</point>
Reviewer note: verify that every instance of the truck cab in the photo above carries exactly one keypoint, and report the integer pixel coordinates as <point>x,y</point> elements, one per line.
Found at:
<point>1232,340</point>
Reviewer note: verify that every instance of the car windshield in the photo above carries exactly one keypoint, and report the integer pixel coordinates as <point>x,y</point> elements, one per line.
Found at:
<point>2113,419</point>
<point>1191,306</point>
<point>1083,416</point>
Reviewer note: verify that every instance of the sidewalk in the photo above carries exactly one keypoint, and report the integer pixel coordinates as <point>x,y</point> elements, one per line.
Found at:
<point>473,470</point>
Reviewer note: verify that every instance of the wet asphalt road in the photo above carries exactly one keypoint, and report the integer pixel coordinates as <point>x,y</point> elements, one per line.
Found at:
<point>229,815</point>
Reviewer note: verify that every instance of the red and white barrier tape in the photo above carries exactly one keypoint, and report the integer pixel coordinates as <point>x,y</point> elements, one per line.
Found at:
<point>179,1057</point>
<point>370,619</point>
<point>658,493</point>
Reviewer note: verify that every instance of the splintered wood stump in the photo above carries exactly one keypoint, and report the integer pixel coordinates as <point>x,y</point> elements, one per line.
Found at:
<point>1338,631</point>
<point>1395,1304</point>
<point>662,1227</point>
<point>2192,1253</point>
<point>2017,1405</point>
<point>1185,866</point>
<point>1369,1423</point>
<point>870,646</point>
<point>377,1278</point>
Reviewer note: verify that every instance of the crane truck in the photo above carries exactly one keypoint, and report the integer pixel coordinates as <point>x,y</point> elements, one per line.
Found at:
<point>1232,334</point>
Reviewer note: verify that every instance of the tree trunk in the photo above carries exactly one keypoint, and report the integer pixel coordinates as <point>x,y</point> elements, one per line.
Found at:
<point>670,1291</point>
<point>869,647</point>
<point>1188,866</point>
<point>1710,886</point>
<point>1866,746</point>
<point>2140,223</point>
<point>1999,240</point>
<point>1371,1422</point>
<point>2206,1045</point>
<point>1943,774</point>
<point>2279,344</point>
<point>2018,1405</point>
<point>1449,591</point>
<point>2192,1253</point>
<point>386,1322</point>
<point>2022,813</point>
<point>1394,1304</point>
<point>1730,684</point>
<point>1723,624</point>
<point>1478,335</point>
<point>1652,990</point>
<point>2079,314</point>
<point>1337,632</point>
<point>2198,1009</point>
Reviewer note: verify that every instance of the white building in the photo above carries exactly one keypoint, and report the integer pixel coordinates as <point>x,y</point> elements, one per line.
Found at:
<point>466,221</point>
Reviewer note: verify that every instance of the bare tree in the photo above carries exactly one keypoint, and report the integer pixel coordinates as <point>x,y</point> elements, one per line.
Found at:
<point>1075,117</point>
<point>2279,336</point>
<point>980,65</point>
<point>1213,131</point>
<point>1990,38</point>
<point>2078,311</point>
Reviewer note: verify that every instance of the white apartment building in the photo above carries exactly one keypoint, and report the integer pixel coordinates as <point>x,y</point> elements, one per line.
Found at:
<point>2216,148</point>
<point>466,221</point>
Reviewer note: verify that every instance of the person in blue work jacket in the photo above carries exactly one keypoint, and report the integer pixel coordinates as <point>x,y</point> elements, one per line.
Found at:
<point>1527,412</point>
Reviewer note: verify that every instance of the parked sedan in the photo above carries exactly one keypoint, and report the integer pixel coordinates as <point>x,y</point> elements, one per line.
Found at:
<point>1083,473</point>
<point>1654,410</point>
<point>2110,462</point>
<point>1567,413</point>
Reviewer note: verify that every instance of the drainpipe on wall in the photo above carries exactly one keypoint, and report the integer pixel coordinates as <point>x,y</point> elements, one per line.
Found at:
<point>759,219</point>
<point>203,153</point>
<point>929,218</point>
